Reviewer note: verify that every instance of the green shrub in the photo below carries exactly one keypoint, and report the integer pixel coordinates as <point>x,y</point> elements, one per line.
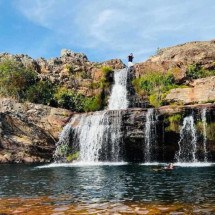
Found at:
<point>69,68</point>
<point>66,98</point>
<point>106,70</point>
<point>155,85</point>
<point>62,150</point>
<point>93,103</point>
<point>42,92</point>
<point>72,157</point>
<point>159,51</point>
<point>156,99</point>
<point>15,79</point>
<point>174,122</point>
<point>84,75</point>
<point>196,71</point>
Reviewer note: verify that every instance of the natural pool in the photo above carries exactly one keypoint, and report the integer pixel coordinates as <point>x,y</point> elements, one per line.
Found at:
<point>106,189</point>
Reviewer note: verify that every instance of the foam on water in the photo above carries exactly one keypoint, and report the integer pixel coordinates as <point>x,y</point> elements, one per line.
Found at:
<point>194,164</point>
<point>153,164</point>
<point>82,164</point>
<point>180,164</point>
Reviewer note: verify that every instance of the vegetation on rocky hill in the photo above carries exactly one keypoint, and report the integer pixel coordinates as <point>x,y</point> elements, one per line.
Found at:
<point>23,84</point>
<point>195,71</point>
<point>155,85</point>
<point>72,82</point>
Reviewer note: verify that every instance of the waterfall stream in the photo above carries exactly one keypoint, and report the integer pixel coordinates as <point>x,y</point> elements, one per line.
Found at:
<point>90,134</point>
<point>150,135</point>
<point>188,141</point>
<point>118,99</point>
<point>98,135</point>
<point>204,124</point>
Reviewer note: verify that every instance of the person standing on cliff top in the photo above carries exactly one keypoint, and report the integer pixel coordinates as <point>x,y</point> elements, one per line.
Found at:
<point>130,59</point>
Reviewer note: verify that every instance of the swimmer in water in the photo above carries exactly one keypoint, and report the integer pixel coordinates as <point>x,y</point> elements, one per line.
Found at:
<point>169,167</point>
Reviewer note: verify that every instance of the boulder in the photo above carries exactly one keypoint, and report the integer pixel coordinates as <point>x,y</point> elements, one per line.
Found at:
<point>201,91</point>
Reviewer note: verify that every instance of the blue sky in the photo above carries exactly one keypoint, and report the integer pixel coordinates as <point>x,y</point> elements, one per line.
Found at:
<point>102,29</point>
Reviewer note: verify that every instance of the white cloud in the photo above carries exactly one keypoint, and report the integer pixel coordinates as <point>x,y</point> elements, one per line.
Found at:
<point>122,26</point>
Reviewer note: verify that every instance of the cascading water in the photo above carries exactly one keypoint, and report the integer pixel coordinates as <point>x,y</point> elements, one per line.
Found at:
<point>150,135</point>
<point>204,124</point>
<point>64,140</point>
<point>98,135</point>
<point>90,135</point>
<point>188,140</point>
<point>118,99</point>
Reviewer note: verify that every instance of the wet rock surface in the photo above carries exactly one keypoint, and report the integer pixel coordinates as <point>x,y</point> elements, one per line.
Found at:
<point>29,132</point>
<point>166,132</point>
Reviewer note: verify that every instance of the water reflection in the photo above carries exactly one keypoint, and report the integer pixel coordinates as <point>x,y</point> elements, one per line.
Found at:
<point>112,184</point>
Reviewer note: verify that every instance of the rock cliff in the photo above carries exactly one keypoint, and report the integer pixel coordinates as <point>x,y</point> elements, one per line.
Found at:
<point>29,131</point>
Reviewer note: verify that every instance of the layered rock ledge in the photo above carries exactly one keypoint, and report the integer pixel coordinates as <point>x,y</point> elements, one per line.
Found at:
<point>29,131</point>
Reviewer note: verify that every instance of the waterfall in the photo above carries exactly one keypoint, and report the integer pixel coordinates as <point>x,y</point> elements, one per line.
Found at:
<point>187,143</point>
<point>116,136</point>
<point>118,99</point>
<point>64,140</point>
<point>204,124</point>
<point>90,134</point>
<point>150,135</point>
<point>98,135</point>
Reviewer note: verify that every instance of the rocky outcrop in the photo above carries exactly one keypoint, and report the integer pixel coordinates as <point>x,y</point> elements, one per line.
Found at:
<point>178,58</point>
<point>200,91</point>
<point>29,131</point>
<point>72,70</point>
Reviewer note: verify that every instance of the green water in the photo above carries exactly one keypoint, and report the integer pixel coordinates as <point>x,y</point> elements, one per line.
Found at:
<point>92,184</point>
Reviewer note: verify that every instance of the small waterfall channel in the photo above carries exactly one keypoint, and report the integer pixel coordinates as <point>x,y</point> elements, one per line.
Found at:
<point>98,136</point>
<point>204,125</point>
<point>188,140</point>
<point>150,135</point>
<point>189,143</point>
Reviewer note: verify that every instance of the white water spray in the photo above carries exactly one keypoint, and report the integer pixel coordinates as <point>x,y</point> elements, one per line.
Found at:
<point>187,142</point>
